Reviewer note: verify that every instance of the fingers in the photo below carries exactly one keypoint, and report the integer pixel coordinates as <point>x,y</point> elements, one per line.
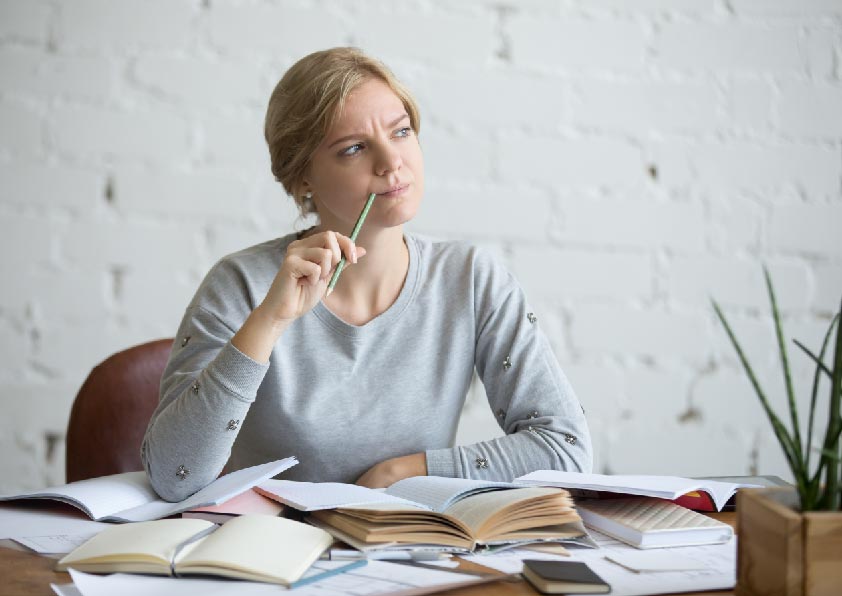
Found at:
<point>337,243</point>
<point>348,247</point>
<point>323,258</point>
<point>301,268</point>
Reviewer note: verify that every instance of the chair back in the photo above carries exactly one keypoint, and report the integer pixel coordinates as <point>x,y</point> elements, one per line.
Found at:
<point>111,412</point>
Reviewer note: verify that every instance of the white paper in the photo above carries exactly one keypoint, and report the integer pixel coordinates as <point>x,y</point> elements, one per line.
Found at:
<point>57,544</point>
<point>446,563</point>
<point>428,492</point>
<point>438,493</point>
<point>129,496</point>
<point>652,561</point>
<point>218,491</point>
<point>99,497</point>
<point>315,496</point>
<point>66,590</point>
<point>44,519</point>
<point>719,561</point>
<point>376,577</point>
<point>664,487</point>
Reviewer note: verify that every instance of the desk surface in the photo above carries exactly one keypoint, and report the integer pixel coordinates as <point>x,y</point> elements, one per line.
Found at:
<point>28,574</point>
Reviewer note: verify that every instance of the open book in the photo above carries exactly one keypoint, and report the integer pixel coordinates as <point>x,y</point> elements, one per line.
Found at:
<point>252,547</point>
<point>129,497</point>
<point>453,514</point>
<point>702,495</point>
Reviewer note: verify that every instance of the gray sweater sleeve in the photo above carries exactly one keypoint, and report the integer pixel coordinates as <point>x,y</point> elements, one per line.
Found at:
<point>206,391</point>
<point>531,398</point>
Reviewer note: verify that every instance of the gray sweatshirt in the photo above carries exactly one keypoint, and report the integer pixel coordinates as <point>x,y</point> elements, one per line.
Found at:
<point>342,397</point>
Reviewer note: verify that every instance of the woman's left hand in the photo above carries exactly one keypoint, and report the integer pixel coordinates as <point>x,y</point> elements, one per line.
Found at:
<point>391,470</point>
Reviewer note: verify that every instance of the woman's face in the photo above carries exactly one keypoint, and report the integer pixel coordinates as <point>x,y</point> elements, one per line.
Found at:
<point>371,148</point>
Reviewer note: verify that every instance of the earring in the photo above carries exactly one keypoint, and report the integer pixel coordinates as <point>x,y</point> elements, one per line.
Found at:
<point>308,195</point>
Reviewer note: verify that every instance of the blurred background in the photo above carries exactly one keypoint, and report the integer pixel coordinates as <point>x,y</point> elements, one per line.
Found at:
<point>628,159</point>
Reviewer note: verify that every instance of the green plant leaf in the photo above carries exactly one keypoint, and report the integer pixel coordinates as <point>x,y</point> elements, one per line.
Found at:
<point>790,392</point>
<point>813,395</point>
<point>785,440</point>
<point>830,499</point>
<point>821,366</point>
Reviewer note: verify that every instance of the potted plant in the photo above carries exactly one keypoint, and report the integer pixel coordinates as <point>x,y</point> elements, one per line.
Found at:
<point>790,542</point>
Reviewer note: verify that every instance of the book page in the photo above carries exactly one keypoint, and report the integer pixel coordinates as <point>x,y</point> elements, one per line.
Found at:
<point>315,496</point>
<point>141,542</point>
<point>479,510</point>
<point>44,518</point>
<point>221,489</point>
<point>259,547</point>
<point>438,493</point>
<point>664,487</point>
<point>99,497</point>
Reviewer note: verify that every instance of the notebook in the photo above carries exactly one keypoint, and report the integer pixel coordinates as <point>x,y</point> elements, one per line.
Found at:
<point>129,497</point>
<point>646,522</point>
<point>563,577</point>
<point>251,547</point>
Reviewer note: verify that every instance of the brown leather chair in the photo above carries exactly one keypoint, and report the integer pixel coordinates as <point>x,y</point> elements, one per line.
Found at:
<point>111,411</point>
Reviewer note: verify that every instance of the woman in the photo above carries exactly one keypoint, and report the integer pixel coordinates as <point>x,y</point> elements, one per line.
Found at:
<point>365,384</point>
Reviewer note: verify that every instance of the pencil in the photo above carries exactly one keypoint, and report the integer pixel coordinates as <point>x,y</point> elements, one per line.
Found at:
<point>354,233</point>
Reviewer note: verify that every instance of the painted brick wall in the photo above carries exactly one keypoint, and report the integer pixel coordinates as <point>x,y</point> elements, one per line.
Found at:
<point>628,159</point>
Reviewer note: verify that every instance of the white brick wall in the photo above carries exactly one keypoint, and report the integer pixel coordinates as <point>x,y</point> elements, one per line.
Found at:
<point>628,159</point>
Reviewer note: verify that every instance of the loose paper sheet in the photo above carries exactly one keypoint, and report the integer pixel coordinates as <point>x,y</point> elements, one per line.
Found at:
<point>377,577</point>
<point>45,518</point>
<point>58,544</point>
<point>719,562</point>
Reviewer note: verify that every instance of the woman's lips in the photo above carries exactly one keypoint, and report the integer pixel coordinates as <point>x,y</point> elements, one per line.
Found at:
<point>395,193</point>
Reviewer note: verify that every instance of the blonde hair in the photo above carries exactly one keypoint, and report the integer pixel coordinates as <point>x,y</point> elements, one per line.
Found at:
<point>306,103</point>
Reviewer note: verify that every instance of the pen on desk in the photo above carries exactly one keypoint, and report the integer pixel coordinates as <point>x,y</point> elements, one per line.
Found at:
<point>354,233</point>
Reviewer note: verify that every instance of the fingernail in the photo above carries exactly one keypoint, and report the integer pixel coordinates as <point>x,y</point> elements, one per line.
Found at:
<point>354,254</point>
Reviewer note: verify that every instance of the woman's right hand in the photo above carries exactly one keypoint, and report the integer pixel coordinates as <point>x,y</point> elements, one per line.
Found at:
<point>304,275</point>
<point>299,284</point>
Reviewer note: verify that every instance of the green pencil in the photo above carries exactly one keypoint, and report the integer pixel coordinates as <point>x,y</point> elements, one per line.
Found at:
<point>354,233</point>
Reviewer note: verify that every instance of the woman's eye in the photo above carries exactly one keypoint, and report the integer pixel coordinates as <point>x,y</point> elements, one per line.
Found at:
<point>404,132</point>
<point>352,150</point>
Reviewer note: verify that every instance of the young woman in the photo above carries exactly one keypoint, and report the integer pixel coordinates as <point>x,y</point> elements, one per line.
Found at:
<point>365,384</point>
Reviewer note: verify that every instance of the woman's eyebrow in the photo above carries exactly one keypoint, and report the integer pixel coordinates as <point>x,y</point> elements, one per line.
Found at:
<point>357,135</point>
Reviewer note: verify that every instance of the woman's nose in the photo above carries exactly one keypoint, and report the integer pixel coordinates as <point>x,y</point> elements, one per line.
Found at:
<point>388,160</point>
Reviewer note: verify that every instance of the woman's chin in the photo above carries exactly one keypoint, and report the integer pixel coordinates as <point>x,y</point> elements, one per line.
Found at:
<point>397,214</point>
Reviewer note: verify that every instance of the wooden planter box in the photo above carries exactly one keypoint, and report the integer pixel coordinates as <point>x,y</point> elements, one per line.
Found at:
<point>783,551</point>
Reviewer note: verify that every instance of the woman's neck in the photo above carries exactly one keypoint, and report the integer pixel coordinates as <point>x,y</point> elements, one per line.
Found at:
<point>369,287</point>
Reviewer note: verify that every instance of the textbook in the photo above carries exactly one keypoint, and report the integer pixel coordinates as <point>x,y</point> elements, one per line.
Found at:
<point>699,494</point>
<point>646,522</point>
<point>251,547</point>
<point>453,514</point>
<point>129,497</point>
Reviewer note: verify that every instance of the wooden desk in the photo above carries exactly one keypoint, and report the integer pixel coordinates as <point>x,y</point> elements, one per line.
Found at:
<point>28,574</point>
